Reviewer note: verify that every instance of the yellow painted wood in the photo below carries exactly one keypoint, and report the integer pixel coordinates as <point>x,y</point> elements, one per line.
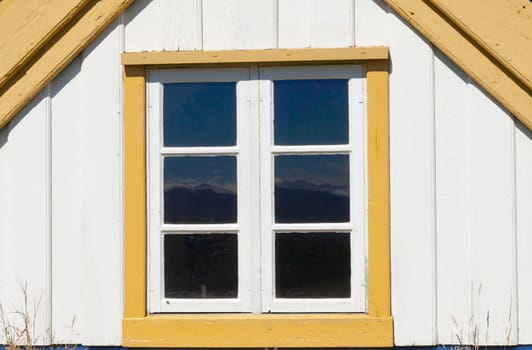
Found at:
<point>374,329</point>
<point>135,192</point>
<point>378,190</point>
<point>240,57</point>
<point>227,331</point>
<point>27,25</point>
<point>502,28</point>
<point>56,54</point>
<point>469,55</point>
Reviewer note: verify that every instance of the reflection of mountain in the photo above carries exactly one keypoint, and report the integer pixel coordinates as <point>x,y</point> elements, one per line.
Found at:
<point>202,204</point>
<point>304,202</point>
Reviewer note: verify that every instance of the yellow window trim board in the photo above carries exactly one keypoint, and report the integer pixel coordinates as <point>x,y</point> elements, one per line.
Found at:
<point>374,329</point>
<point>49,35</point>
<point>488,39</point>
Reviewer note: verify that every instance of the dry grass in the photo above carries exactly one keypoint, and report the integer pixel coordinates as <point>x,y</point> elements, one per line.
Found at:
<point>18,327</point>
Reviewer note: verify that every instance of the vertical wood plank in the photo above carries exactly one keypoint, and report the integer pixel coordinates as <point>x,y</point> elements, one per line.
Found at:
<point>25,219</point>
<point>294,23</point>
<point>453,203</point>
<point>524,230</point>
<point>66,205</point>
<point>412,186</point>
<point>101,81</point>
<point>219,24</point>
<point>158,25</point>
<point>371,23</point>
<point>181,24</point>
<point>493,231</point>
<point>256,22</point>
<point>332,23</point>
<point>316,23</point>
<point>143,26</point>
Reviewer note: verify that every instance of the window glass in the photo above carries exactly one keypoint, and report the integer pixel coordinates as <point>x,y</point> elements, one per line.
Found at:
<point>312,265</point>
<point>200,266</point>
<point>311,112</point>
<point>311,188</point>
<point>199,114</point>
<point>200,190</point>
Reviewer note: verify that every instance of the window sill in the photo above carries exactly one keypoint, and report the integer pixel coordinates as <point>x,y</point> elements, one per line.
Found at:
<point>271,330</point>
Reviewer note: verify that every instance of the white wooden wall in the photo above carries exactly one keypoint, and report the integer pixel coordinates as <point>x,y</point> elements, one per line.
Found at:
<point>461,194</point>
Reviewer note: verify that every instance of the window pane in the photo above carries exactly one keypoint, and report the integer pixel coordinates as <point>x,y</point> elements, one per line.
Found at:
<point>312,188</point>
<point>200,190</point>
<point>200,266</point>
<point>311,112</point>
<point>199,114</point>
<point>312,265</point>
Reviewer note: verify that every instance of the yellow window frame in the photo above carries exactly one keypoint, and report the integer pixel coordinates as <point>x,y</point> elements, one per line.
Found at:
<point>371,329</point>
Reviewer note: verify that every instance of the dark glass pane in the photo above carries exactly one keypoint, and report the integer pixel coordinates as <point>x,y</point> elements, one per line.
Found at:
<point>311,112</point>
<point>312,265</point>
<point>200,190</point>
<point>312,188</point>
<point>199,114</point>
<point>200,266</point>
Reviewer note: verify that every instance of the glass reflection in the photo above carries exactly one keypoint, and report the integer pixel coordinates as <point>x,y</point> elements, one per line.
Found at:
<point>311,112</point>
<point>311,188</point>
<point>200,266</point>
<point>199,114</point>
<point>312,265</point>
<point>200,190</point>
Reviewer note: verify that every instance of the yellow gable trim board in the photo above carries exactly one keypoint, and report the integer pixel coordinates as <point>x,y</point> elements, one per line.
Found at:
<point>27,25</point>
<point>473,54</point>
<point>371,329</point>
<point>48,61</point>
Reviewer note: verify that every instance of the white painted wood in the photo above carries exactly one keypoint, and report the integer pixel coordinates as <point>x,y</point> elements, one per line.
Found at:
<point>371,23</point>
<point>219,24</point>
<point>412,187</point>
<point>200,150</point>
<point>453,203</point>
<point>66,205</point>
<point>332,23</point>
<point>294,23</point>
<point>256,24</point>
<point>524,230</point>
<point>102,237</point>
<point>493,231</point>
<point>4,215</point>
<point>163,25</point>
<point>143,26</point>
<point>25,217</point>
<point>316,23</point>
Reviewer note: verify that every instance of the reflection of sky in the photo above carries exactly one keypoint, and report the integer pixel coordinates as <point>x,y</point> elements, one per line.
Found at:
<point>200,114</point>
<point>193,172</point>
<point>311,112</point>
<point>328,173</point>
